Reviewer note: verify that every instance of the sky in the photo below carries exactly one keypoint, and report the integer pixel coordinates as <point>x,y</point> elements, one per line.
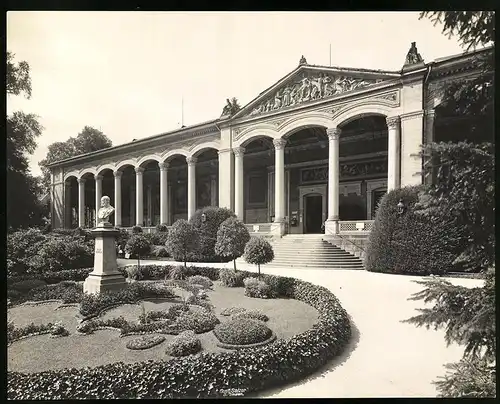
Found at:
<point>129,73</point>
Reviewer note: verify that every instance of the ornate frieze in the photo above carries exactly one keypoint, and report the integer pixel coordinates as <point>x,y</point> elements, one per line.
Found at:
<point>320,174</point>
<point>310,86</point>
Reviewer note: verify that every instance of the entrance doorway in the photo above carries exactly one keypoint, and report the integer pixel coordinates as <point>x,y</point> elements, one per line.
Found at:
<point>313,206</point>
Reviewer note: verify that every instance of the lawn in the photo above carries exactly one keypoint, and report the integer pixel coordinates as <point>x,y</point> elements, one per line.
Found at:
<point>287,318</point>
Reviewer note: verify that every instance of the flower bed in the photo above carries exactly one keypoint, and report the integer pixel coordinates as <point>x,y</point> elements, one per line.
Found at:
<point>146,342</point>
<point>205,374</point>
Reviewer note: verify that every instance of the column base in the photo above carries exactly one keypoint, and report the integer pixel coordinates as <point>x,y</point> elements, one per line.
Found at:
<point>278,229</point>
<point>332,226</point>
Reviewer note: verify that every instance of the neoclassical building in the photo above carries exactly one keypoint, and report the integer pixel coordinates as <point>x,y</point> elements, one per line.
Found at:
<point>314,152</point>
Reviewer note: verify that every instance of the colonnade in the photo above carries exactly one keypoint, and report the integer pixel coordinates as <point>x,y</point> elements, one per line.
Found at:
<point>393,181</point>
<point>393,174</point>
<point>139,194</point>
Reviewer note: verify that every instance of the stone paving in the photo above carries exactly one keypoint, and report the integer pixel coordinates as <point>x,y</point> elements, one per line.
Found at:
<point>385,358</point>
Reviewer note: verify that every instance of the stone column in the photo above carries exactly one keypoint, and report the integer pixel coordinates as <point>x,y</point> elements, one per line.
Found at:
<point>279,181</point>
<point>191,162</point>
<point>118,198</point>
<point>394,153</point>
<point>430,115</point>
<point>239,204</point>
<point>213,190</point>
<point>81,202</point>
<point>149,205</point>
<point>331,225</point>
<point>139,196</point>
<point>67,205</point>
<point>226,172</point>
<point>163,192</point>
<point>98,194</point>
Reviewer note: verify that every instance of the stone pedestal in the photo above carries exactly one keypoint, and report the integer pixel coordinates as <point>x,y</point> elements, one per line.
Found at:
<point>332,227</point>
<point>105,275</point>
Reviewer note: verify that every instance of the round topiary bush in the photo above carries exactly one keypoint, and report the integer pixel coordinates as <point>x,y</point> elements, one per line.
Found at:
<point>186,343</point>
<point>145,342</point>
<point>200,280</point>
<point>138,245</point>
<point>137,230</point>
<point>198,321</point>
<point>258,251</point>
<point>242,331</point>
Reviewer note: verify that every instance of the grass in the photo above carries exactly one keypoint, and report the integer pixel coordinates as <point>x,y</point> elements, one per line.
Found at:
<point>287,317</point>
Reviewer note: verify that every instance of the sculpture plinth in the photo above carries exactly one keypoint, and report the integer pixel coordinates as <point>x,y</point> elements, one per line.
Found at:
<point>105,276</point>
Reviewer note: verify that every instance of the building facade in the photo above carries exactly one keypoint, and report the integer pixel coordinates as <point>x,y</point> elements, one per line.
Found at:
<point>313,153</point>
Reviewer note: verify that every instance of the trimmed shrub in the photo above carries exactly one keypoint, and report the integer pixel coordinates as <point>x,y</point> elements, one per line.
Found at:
<point>257,288</point>
<point>258,251</point>
<point>242,331</point>
<point>59,330</point>
<point>232,237</point>
<point>137,230</point>
<point>200,280</point>
<point>281,286</point>
<point>182,240</point>
<point>68,292</point>
<point>207,230</point>
<point>14,333</point>
<point>162,228</point>
<point>23,245</point>
<point>27,285</point>
<point>157,238</point>
<point>406,243</point>
<point>199,321</point>
<point>92,305</point>
<point>250,370</point>
<point>253,314</point>
<point>186,343</point>
<point>159,251</point>
<point>60,253</point>
<point>179,272</point>
<point>138,245</point>
<point>231,278</point>
<point>145,342</point>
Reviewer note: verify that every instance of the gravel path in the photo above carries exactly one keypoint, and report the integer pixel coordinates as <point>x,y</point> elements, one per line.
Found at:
<point>385,358</point>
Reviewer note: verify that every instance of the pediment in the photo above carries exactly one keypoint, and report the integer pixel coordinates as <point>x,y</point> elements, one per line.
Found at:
<point>308,84</point>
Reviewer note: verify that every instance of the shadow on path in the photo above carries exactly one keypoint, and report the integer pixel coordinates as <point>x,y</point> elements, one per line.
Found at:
<point>321,372</point>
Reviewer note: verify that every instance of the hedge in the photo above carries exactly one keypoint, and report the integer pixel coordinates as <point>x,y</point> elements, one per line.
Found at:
<point>207,374</point>
<point>407,243</point>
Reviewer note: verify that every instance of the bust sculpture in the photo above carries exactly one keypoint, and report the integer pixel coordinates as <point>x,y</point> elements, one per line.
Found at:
<point>105,211</point>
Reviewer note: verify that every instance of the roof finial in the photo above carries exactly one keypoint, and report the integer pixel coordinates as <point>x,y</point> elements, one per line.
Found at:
<point>413,57</point>
<point>302,61</point>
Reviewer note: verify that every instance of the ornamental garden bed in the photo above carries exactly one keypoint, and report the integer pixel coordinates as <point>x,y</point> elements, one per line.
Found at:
<point>308,327</point>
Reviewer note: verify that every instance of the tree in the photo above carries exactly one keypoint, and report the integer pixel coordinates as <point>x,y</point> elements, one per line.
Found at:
<point>232,238</point>
<point>182,240</point>
<point>467,314</point>
<point>87,141</point>
<point>258,251</point>
<point>138,245</point>
<point>23,206</point>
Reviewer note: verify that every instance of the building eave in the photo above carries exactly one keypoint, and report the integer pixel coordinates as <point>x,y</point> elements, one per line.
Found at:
<point>201,127</point>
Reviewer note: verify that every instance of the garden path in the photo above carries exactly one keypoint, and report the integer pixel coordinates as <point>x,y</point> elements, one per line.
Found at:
<point>385,358</point>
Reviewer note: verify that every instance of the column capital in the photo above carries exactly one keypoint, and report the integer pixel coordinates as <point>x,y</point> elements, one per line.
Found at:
<point>139,170</point>
<point>81,180</point>
<point>223,151</point>
<point>279,144</point>
<point>333,133</point>
<point>191,161</point>
<point>239,151</point>
<point>392,121</point>
<point>163,166</point>
<point>117,174</point>
<point>431,113</point>
<point>98,177</point>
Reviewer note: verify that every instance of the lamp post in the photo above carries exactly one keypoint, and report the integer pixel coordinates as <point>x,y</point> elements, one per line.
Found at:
<point>401,207</point>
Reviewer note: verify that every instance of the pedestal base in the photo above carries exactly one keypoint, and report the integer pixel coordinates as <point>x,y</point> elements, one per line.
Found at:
<point>105,276</point>
<point>332,227</point>
<point>97,283</point>
<point>278,229</point>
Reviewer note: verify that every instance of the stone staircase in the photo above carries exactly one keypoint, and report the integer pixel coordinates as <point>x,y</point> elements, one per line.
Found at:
<point>311,251</point>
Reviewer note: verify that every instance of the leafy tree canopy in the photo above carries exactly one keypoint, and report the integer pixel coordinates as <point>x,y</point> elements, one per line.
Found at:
<point>87,141</point>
